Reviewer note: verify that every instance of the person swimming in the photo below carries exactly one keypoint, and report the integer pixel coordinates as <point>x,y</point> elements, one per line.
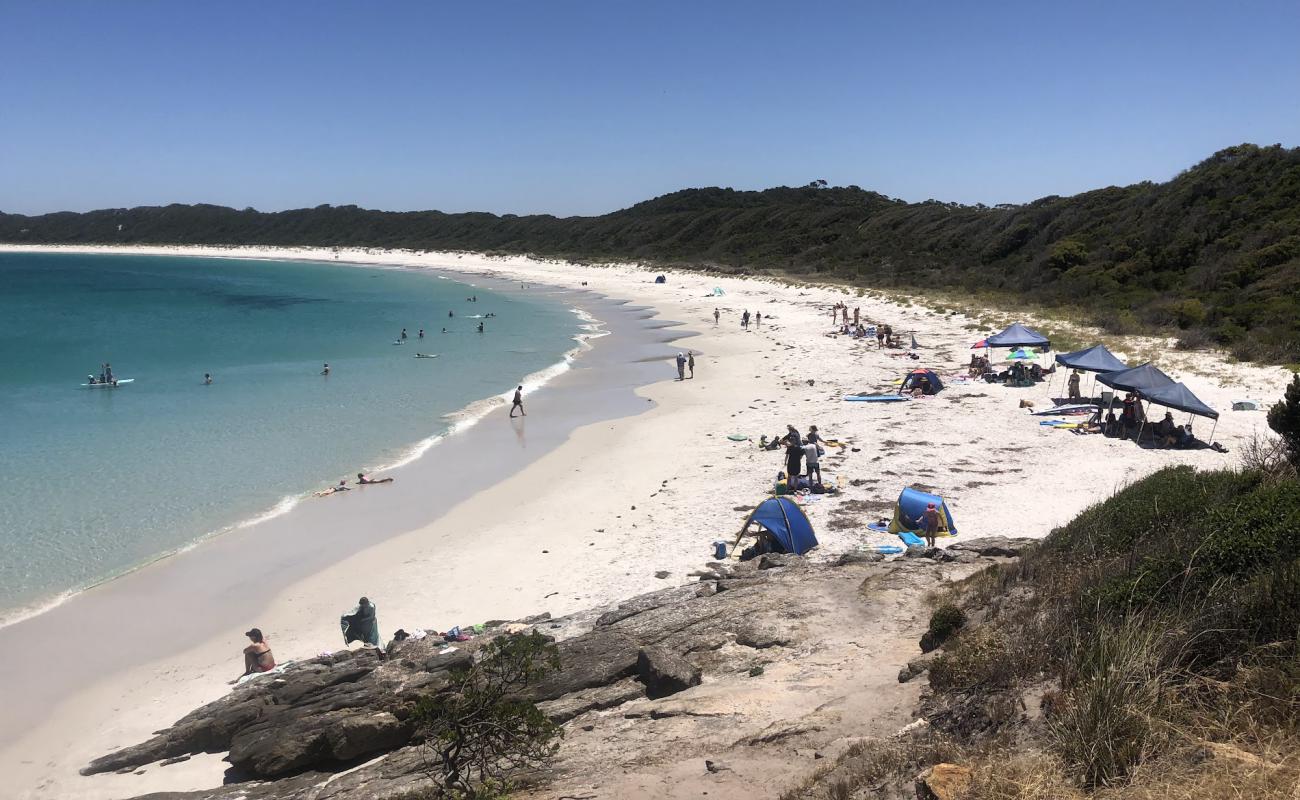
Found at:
<point>325,371</point>
<point>421,334</point>
<point>403,336</point>
<point>364,481</point>
<point>341,487</point>
<point>207,379</point>
<point>480,327</point>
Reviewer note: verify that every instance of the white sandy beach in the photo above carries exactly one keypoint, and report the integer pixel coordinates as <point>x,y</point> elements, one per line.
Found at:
<point>593,520</point>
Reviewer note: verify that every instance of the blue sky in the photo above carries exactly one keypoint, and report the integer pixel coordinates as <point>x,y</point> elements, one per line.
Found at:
<point>584,107</point>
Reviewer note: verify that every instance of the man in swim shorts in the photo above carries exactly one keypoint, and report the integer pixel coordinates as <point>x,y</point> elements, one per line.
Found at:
<point>518,403</point>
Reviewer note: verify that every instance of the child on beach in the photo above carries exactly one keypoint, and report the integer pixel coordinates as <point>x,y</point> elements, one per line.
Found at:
<point>930,523</point>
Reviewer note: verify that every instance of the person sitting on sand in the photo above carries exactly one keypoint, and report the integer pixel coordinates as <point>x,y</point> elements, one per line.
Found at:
<point>361,624</point>
<point>342,487</point>
<point>1164,430</point>
<point>257,656</point>
<point>365,481</point>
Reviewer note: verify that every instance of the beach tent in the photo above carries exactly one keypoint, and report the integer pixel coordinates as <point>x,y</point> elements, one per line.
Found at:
<point>785,521</point>
<point>913,378</point>
<point>1094,359</point>
<point>1022,355</point>
<point>1179,397</point>
<point>1018,335</point>
<point>1141,379</point>
<point>661,279</point>
<point>911,505</point>
<point>717,290</point>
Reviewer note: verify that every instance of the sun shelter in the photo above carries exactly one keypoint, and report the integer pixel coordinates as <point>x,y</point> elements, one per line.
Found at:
<point>925,379</point>
<point>1141,379</point>
<point>661,279</point>
<point>1018,335</point>
<point>908,510</point>
<point>1093,359</point>
<point>785,523</point>
<point>1177,396</point>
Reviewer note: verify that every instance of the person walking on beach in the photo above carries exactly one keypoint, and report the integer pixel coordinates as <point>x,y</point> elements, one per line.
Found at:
<point>257,656</point>
<point>361,624</point>
<point>518,403</point>
<point>717,315</point>
<point>758,319</point>
<point>681,366</point>
<point>930,523</point>
<point>690,362</point>
<point>744,320</point>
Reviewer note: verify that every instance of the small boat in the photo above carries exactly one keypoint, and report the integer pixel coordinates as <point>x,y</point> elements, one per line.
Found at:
<point>108,384</point>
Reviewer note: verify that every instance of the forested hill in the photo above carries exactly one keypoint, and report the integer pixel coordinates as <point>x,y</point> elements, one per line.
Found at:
<point>1214,252</point>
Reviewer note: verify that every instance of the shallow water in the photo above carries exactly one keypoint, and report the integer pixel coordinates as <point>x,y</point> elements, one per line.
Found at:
<point>96,481</point>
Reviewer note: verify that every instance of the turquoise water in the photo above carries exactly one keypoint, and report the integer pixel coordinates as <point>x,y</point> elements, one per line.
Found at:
<point>96,481</point>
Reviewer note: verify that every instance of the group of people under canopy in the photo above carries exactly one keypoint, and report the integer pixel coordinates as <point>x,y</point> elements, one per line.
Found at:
<point>1144,382</point>
<point>1022,368</point>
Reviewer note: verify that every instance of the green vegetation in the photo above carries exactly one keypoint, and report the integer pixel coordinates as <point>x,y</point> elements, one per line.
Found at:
<point>1284,419</point>
<point>1213,254</point>
<point>481,730</point>
<point>1156,626</point>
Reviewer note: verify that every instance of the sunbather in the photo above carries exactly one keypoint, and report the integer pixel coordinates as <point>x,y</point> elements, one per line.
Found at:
<point>257,656</point>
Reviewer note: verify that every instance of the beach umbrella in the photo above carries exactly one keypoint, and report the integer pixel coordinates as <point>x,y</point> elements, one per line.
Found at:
<point>1021,355</point>
<point>979,344</point>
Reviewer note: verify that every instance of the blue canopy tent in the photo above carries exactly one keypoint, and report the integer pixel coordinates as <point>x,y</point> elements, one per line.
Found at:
<point>785,522</point>
<point>1018,335</point>
<point>1094,359</point>
<point>1139,380</point>
<point>1178,396</point>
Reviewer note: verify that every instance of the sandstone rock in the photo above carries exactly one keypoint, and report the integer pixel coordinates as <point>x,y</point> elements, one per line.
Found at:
<point>774,560</point>
<point>858,557</point>
<point>943,782</point>
<point>995,546</point>
<point>598,658</point>
<point>664,672</point>
<point>598,698</point>
<point>916,666</point>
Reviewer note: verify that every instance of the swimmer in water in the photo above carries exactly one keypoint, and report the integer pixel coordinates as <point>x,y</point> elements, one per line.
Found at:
<point>421,333</point>
<point>364,481</point>
<point>480,327</point>
<point>207,379</point>
<point>325,371</point>
<point>403,334</point>
<point>342,487</point>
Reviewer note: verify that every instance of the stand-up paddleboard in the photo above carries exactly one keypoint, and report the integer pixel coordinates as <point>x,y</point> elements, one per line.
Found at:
<point>110,385</point>
<point>1081,408</point>
<point>426,355</point>
<point>875,398</point>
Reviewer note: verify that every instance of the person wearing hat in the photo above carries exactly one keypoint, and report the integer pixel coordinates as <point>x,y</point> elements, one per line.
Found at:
<point>257,656</point>
<point>930,523</point>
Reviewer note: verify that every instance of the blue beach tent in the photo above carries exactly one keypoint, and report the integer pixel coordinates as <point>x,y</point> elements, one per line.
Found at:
<point>913,380</point>
<point>1017,335</point>
<point>911,505</point>
<point>1094,359</point>
<point>783,518</point>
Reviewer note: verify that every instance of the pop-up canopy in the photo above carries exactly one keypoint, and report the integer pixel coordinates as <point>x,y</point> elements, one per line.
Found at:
<point>1180,397</point>
<point>1094,359</point>
<point>1142,379</point>
<point>1018,335</point>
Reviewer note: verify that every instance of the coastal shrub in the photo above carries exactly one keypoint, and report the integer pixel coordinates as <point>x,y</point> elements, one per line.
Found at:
<point>481,730</point>
<point>1284,419</point>
<point>982,659</point>
<point>945,621</point>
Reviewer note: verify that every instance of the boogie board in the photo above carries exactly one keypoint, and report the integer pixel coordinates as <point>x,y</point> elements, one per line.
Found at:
<point>910,538</point>
<point>1074,409</point>
<point>877,527</point>
<point>118,382</point>
<point>875,398</point>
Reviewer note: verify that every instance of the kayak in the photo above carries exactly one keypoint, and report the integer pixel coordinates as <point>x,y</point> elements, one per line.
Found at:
<point>118,382</point>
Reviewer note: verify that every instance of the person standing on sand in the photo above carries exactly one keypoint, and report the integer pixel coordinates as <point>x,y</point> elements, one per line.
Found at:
<point>681,367</point>
<point>793,455</point>
<point>930,523</point>
<point>811,454</point>
<point>717,315</point>
<point>758,319</point>
<point>690,362</point>
<point>744,320</point>
<point>1074,385</point>
<point>518,403</point>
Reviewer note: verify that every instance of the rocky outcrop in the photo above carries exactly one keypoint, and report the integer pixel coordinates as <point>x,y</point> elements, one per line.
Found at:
<point>995,546</point>
<point>943,782</point>
<point>341,725</point>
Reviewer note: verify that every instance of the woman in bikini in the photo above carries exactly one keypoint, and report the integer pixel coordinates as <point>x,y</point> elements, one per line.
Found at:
<point>257,656</point>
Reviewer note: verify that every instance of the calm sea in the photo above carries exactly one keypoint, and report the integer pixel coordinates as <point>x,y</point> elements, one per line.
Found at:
<point>96,481</point>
